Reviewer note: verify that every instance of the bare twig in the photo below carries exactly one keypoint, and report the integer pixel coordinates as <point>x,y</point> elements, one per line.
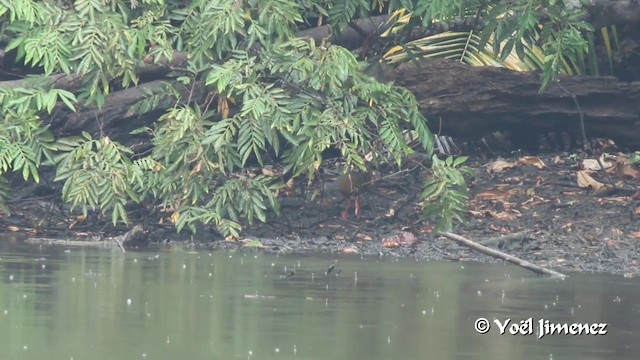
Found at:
<point>500,255</point>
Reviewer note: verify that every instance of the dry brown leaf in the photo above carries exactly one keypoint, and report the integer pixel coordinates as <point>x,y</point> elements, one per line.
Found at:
<point>401,238</point>
<point>533,201</point>
<point>13,228</point>
<point>174,217</point>
<point>390,244</point>
<point>492,194</point>
<point>350,250</point>
<point>364,237</point>
<point>586,181</point>
<point>426,229</point>
<point>514,180</point>
<point>532,160</point>
<point>500,165</point>
<point>501,229</point>
<point>291,183</point>
<point>507,215</point>
<point>268,172</point>
<point>476,213</point>
<point>593,164</point>
<point>635,234</point>
<point>627,170</point>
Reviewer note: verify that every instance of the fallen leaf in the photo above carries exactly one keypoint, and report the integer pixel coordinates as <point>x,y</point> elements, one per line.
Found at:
<point>268,172</point>
<point>390,244</point>
<point>500,165</point>
<point>13,228</point>
<point>492,194</point>
<point>533,201</point>
<point>532,160</point>
<point>593,164</point>
<point>291,183</point>
<point>501,229</point>
<point>350,250</point>
<point>402,238</point>
<point>586,181</point>
<point>507,215</point>
<point>617,231</point>
<point>636,234</point>
<point>627,170</point>
<point>364,237</point>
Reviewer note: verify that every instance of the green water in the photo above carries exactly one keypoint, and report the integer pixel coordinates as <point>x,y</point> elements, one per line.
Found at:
<point>58,303</point>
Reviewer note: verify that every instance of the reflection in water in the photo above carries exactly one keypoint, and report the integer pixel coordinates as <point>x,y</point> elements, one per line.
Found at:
<point>103,304</point>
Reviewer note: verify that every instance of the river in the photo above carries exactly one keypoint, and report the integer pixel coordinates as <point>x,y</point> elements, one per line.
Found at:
<point>83,303</point>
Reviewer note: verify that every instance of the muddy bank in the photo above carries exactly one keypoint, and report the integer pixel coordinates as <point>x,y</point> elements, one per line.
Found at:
<point>565,212</point>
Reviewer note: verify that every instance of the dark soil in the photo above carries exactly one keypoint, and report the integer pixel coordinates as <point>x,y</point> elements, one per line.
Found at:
<point>548,218</point>
<point>555,222</point>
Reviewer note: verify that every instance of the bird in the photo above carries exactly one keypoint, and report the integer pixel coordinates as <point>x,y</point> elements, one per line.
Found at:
<point>350,185</point>
<point>288,275</point>
<point>331,267</point>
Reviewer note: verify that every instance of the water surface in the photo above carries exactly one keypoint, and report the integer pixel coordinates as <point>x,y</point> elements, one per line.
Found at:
<point>74,303</point>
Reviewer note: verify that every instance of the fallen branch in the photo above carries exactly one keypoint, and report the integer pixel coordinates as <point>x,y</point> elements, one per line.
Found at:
<point>500,255</point>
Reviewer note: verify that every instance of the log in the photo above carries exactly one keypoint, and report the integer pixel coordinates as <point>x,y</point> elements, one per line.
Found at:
<point>467,102</point>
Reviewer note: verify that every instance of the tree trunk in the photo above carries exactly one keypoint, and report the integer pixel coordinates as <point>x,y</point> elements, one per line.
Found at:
<point>470,102</point>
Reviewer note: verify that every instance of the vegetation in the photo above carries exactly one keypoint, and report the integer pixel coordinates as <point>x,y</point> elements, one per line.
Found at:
<point>271,96</point>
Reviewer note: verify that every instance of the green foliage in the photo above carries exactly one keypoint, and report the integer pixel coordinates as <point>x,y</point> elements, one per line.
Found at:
<point>253,244</point>
<point>5,193</point>
<point>279,98</point>
<point>24,141</point>
<point>518,27</point>
<point>341,12</point>
<point>97,173</point>
<point>445,194</point>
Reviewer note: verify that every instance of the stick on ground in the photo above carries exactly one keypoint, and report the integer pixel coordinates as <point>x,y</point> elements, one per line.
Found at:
<point>500,255</point>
